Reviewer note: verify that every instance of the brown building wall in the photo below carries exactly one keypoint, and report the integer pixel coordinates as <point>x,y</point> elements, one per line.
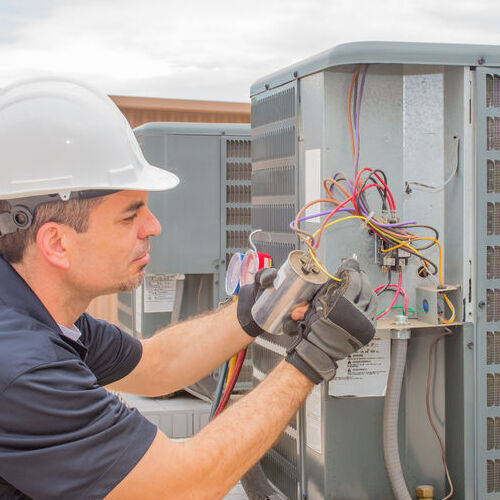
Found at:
<point>140,110</point>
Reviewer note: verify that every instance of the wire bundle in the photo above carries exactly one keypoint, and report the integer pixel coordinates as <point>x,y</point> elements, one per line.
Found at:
<point>349,197</point>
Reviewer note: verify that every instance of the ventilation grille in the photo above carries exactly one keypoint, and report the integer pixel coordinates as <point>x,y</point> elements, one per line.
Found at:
<point>493,262</point>
<point>493,389</point>
<point>264,359</point>
<point>273,145</point>
<point>273,108</point>
<point>278,251</point>
<point>493,348</point>
<point>273,208</point>
<point>493,176</point>
<point>493,433</point>
<point>238,149</point>
<point>493,476</point>
<point>492,305</point>
<point>239,171</point>
<point>274,181</point>
<point>237,207</point>
<point>237,239</point>
<point>238,194</point>
<point>281,473</point>
<point>492,134</point>
<point>236,216</point>
<point>492,91</point>
<point>274,218</point>
<point>488,248</point>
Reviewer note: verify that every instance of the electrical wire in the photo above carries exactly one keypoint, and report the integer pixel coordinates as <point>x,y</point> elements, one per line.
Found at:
<point>232,382</point>
<point>429,414</point>
<point>392,288</point>
<point>448,303</point>
<point>398,289</point>
<point>232,364</point>
<point>220,388</point>
<point>436,189</point>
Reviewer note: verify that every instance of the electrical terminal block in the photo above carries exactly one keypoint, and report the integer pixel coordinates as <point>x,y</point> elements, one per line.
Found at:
<point>394,260</point>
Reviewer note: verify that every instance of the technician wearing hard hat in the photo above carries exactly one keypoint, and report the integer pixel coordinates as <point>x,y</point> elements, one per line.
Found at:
<point>74,224</point>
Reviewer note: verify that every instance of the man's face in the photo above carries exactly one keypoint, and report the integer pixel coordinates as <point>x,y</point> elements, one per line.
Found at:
<point>112,254</point>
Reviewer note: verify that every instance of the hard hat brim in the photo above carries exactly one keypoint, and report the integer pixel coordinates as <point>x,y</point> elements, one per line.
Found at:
<point>153,179</point>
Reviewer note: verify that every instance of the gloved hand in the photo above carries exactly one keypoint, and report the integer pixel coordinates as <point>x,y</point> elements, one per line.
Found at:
<point>247,297</point>
<point>341,319</point>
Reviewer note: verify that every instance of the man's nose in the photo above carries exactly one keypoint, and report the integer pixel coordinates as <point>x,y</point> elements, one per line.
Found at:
<point>151,226</point>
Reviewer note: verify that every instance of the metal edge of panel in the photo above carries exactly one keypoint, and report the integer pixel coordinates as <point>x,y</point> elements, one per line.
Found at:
<point>194,128</point>
<point>382,52</point>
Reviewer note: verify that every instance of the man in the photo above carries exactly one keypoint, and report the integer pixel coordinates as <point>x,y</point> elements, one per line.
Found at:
<point>74,224</point>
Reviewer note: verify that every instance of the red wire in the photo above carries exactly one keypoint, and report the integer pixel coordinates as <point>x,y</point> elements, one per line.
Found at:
<point>330,215</point>
<point>396,295</point>
<point>232,382</point>
<point>390,199</point>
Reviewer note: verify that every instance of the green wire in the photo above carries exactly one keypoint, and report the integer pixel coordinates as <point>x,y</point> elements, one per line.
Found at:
<point>410,309</point>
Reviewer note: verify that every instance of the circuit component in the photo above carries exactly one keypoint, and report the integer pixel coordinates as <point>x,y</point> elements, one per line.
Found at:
<point>387,259</point>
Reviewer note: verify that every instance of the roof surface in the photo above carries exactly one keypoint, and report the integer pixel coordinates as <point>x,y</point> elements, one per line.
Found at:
<point>446,54</point>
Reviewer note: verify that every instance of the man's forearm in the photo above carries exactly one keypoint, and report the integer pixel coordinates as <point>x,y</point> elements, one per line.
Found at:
<point>209,464</point>
<point>183,353</point>
<point>239,437</point>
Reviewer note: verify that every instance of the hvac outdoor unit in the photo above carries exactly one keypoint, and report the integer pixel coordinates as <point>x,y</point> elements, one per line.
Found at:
<point>429,117</point>
<point>205,219</point>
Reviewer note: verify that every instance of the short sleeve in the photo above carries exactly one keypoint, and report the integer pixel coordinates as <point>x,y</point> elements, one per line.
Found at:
<point>63,436</point>
<point>112,353</point>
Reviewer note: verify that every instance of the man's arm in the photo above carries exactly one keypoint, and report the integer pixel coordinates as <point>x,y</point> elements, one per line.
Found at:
<point>210,463</point>
<point>184,353</point>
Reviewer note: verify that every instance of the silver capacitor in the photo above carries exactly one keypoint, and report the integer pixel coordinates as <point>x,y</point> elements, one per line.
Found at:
<point>298,279</point>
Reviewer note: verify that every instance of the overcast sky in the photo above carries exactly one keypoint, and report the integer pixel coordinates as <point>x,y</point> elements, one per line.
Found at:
<point>196,49</point>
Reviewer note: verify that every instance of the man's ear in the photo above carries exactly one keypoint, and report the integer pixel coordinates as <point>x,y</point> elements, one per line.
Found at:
<point>52,242</point>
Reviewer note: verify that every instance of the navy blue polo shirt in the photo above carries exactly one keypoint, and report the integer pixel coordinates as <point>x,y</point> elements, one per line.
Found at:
<point>62,436</point>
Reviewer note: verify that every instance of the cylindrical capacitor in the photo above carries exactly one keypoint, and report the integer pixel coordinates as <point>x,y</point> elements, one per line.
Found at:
<point>297,281</point>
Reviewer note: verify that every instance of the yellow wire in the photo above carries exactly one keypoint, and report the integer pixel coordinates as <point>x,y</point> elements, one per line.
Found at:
<point>399,245</point>
<point>450,305</point>
<point>316,261</point>
<point>232,364</point>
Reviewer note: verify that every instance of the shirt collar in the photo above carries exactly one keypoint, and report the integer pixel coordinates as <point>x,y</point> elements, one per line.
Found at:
<point>16,293</point>
<point>73,333</point>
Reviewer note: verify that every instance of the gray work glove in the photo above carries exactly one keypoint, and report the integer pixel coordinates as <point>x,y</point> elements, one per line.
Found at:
<point>247,297</point>
<point>341,319</point>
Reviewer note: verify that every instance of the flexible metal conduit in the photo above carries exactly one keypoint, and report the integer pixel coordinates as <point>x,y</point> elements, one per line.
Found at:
<point>391,413</point>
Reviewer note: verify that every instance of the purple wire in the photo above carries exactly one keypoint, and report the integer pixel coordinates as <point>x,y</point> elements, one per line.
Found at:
<point>358,114</point>
<point>302,219</point>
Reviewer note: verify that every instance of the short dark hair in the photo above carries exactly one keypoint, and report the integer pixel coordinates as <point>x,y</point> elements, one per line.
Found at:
<point>73,213</point>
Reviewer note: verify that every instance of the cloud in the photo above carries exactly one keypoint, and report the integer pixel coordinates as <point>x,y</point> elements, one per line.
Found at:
<point>213,50</point>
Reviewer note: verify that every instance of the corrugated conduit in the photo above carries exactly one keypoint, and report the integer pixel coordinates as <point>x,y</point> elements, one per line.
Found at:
<point>390,426</point>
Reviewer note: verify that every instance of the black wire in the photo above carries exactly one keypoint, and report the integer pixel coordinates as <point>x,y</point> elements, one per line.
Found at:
<point>387,285</point>
<point>382,192</point>
<point>432,243</point>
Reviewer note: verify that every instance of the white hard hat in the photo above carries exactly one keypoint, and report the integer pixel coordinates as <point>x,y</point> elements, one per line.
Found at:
<point>62,136</point>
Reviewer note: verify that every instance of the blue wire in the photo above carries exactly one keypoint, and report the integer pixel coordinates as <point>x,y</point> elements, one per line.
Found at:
<point>220,387</point>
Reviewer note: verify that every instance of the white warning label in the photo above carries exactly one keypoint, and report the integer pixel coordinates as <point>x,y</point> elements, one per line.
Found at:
<point>365,372</point>
<point>159,292</point>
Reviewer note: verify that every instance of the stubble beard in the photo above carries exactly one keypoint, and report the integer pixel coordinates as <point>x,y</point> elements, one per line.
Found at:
<point>132,283</point>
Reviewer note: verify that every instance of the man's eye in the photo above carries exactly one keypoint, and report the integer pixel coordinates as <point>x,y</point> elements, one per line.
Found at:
<point>131,218</point>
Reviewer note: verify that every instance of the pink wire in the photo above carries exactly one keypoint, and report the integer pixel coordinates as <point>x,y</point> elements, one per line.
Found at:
<point>398,291</point>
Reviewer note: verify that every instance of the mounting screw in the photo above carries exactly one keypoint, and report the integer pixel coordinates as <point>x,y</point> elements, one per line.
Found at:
<point>481,304</point>
<point>470,345</point>
<point>481,61</point>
